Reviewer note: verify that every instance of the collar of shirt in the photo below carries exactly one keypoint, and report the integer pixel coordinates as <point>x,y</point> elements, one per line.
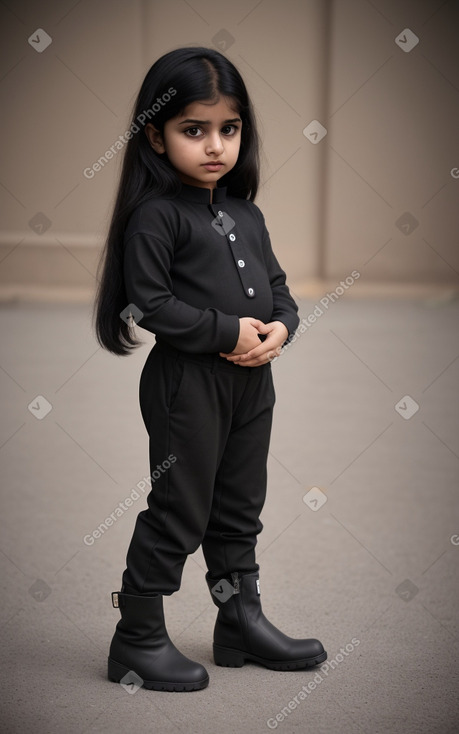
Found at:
<point>201,195</point>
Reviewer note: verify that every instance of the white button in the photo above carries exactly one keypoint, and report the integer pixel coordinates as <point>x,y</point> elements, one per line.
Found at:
<point>220,214</point>
<point>232,237</point>
<point>250,291</point>
<point>241,263</point>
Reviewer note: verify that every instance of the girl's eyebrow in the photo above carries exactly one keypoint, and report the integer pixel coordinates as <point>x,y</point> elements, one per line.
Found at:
<point>208,122</point>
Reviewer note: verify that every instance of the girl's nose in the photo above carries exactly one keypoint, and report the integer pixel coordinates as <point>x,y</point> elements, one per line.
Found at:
<point>214,144</point>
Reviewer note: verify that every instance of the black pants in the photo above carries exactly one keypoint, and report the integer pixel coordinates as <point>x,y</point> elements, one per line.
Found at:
<point>209,424</point>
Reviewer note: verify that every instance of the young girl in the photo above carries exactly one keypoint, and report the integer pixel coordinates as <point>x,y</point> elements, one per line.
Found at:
<point>189,256</point>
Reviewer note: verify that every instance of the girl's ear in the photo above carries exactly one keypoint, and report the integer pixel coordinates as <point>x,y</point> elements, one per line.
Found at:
<point>155,139</point>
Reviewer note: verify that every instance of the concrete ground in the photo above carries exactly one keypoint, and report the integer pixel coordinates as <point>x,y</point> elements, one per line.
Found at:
<point>367,414</point>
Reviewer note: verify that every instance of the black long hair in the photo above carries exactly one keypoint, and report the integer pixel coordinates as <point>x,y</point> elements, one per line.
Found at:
<point>176,80</point>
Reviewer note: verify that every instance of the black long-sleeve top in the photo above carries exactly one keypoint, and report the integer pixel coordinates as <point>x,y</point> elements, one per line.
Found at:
<point>193,268</point>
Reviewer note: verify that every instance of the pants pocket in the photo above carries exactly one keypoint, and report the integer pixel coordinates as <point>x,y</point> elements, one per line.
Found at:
<point>176,382</point>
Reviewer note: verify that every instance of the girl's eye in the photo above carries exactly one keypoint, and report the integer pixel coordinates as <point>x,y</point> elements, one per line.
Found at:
<point>193,132</point>
<point>229,130</point>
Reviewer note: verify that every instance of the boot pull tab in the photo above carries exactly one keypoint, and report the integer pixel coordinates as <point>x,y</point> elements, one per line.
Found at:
<point>235,578</point>
<point>258,587</point>
<point>115,599</point>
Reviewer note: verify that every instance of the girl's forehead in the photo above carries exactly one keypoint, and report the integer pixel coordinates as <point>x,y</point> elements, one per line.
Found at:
<point>224,108</point>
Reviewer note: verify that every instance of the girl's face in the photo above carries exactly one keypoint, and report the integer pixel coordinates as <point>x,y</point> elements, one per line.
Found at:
<point>202,143</point>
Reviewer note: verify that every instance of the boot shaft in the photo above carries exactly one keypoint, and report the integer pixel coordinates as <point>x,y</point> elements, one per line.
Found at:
<point>239,607</point>
<point>142,619</point>
<point>236,588</point>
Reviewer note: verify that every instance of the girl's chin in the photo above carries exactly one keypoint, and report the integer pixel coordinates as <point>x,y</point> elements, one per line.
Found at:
<point>203,181</point>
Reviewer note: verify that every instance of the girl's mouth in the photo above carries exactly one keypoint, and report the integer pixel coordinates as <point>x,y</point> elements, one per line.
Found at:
<point>213,166</point>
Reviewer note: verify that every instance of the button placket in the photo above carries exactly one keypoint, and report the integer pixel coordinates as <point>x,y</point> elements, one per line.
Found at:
<point>238,253</point>
<point>237,249</point>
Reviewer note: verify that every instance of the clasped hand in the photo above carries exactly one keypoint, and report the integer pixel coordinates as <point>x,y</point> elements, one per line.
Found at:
<point>249,351</point>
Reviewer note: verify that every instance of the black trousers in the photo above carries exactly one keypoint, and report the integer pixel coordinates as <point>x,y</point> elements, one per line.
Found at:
<point>209,423</point>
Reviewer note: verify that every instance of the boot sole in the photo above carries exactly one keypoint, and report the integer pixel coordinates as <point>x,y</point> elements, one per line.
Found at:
<point>229,658</point>
<point>116,672</point>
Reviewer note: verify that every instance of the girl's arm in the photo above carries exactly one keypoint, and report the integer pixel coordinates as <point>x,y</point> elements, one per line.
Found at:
<point>147,264</point>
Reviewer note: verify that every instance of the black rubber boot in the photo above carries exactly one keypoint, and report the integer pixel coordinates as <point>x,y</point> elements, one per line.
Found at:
<point>141,646</point>
<point>243,633</point>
